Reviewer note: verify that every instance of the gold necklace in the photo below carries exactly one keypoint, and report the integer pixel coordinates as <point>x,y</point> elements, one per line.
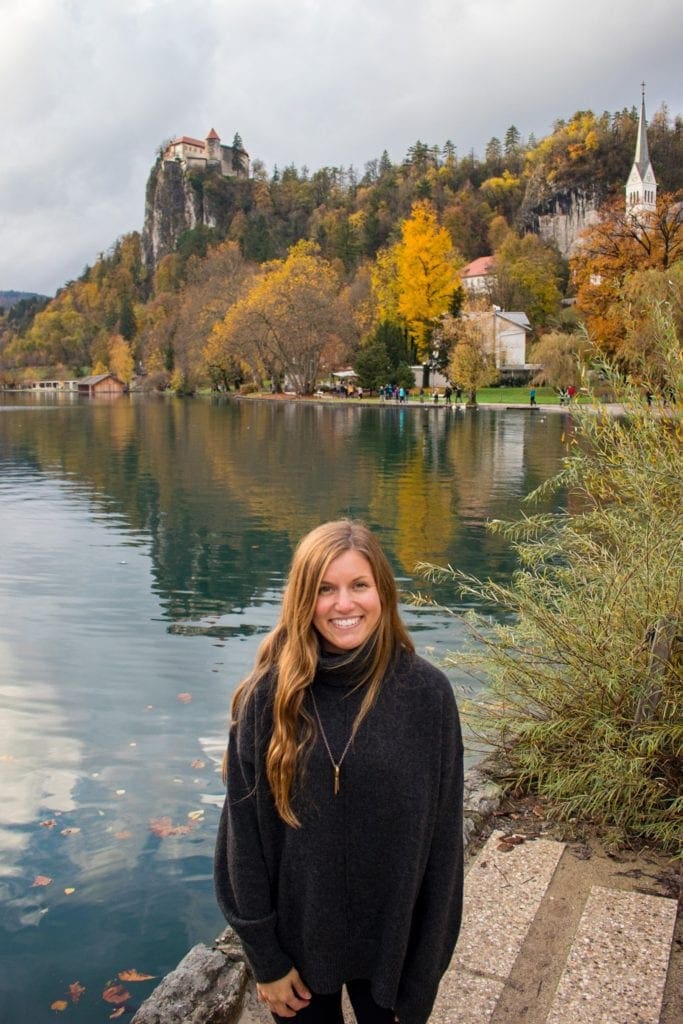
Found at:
<point>336,765</point>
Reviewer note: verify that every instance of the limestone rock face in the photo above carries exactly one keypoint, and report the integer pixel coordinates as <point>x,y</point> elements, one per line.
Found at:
<point>561,216</point>
<point>170,209</point>
<point>207,987</point>
<point>177,200</point>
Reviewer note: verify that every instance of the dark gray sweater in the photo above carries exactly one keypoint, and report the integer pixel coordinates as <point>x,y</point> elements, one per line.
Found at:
<point>370,886</point>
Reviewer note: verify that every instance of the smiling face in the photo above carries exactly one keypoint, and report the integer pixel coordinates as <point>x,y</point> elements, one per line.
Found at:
<point>348,608</point>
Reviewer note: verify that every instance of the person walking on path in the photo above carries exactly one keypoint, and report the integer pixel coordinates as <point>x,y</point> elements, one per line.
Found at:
<point>532,396</point>
<point>339,857</point>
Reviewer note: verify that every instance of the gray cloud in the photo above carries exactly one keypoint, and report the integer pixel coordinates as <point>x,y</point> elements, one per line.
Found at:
<point>92,87</point>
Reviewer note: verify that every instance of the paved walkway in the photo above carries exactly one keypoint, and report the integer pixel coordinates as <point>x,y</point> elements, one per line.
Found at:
<point>539,947</point>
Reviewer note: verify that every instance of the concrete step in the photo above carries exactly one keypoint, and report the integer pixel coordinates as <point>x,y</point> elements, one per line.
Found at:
<point>617,965</point>
<point>504,888</point>
<point>537,947</point>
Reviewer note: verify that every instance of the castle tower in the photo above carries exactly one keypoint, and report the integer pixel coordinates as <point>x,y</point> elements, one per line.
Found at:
<point>213,147</point>
<point>641,187</point>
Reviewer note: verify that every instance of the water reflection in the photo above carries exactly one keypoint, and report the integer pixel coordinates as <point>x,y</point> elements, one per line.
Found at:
<point>145,545</point>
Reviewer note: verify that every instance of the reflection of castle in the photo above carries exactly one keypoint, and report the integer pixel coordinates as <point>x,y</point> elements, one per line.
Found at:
<point>194,154</point>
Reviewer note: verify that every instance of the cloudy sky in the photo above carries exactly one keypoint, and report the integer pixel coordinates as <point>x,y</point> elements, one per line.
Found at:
<point>90,88</point>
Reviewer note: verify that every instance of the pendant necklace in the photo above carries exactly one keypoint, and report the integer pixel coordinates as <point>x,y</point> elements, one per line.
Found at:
<point>336,765</point>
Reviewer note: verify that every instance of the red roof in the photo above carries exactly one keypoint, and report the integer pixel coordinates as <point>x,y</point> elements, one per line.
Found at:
<point>481,267</point>
<point>213,134</point>
<point>188,141</point>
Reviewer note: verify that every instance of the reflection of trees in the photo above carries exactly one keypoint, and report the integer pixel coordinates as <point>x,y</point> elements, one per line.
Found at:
<point>224,489</point>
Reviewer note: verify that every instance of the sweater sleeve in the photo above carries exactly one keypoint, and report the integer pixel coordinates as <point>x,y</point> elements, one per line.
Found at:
<point>438,909</point>
<point>241,876</point>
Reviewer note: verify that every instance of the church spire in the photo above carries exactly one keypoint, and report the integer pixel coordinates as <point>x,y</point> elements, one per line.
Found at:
<point>642,158</point>
<point>641,187</point>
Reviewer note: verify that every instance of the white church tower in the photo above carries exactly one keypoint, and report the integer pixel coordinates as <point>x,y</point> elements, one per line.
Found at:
<point>641,187</point>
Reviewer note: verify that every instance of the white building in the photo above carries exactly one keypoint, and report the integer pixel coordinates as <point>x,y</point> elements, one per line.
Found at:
<point>476,276</point>
<point>506,333</point>
<point>641,187</point>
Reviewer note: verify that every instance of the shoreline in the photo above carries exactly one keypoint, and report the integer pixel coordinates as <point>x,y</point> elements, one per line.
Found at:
<point>612,408</point>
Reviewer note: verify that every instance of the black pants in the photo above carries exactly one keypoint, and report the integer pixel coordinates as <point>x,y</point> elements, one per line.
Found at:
<point>327,1009</point>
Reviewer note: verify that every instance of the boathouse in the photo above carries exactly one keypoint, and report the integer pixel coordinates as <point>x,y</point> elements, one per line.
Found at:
<point>101,384</point>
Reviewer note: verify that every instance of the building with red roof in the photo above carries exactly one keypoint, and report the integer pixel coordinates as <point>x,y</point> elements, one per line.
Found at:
<point>198,154</point>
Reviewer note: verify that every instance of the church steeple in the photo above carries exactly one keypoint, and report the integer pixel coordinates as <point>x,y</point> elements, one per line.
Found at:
<point>641,187</point>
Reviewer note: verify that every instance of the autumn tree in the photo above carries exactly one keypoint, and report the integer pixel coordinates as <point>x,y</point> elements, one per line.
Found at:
<point>560,356</point>
<point>528,277</point>
<point>642,292</point>
<point>620,244</point>
<point>472,364</point>
<point>121,361</point>
<point>281,327</point>
<point>416,278</point>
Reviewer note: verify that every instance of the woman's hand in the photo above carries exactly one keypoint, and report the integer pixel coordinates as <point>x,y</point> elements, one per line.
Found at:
<point>286,996</point>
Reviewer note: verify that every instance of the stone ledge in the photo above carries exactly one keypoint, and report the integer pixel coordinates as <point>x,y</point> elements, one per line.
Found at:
<point>207,987</point>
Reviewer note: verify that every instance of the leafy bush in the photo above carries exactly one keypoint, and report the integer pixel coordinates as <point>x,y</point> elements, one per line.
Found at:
<point>584,692</point>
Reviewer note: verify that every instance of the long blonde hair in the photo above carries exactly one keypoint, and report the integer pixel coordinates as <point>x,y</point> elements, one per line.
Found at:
<point>291,650</point>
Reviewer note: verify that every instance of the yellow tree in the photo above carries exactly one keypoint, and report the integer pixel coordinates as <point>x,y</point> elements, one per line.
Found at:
<point>472,364</point>
<point>121,361</point>
<point>283,325</point>
<point>427,274</point>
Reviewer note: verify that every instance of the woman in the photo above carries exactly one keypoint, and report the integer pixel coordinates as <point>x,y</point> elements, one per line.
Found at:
<point>339,853</point>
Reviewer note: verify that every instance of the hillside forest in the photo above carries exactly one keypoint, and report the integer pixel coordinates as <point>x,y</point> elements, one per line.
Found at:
<point>305,272</point>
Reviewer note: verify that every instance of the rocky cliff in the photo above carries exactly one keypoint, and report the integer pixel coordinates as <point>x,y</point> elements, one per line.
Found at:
<point>178,200</point>
<point>562,217</point>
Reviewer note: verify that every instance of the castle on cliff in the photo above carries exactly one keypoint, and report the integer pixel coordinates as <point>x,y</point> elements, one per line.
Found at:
<point>195,154</point>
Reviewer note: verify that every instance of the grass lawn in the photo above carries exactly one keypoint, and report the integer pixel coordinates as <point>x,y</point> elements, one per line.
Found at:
<point>518,396</point>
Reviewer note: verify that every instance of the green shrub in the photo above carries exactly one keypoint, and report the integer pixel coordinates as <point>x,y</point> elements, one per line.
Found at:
<point>583,697</point>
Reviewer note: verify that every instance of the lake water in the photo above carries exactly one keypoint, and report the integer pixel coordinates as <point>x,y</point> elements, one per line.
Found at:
<point>144,547</point>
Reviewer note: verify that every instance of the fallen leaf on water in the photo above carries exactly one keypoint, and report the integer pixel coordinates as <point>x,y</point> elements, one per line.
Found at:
<point>184,698</point>
<point>197,764</point>
<point>196,815</point>
<point>115,994</point>
<point>133,975</point>
<point>59,1005</point>
<point>124,834</point>
<point>70,831</point>
<point>48,823</point>
<point>117,1013</point>
<point>76,990</point>
<point>69,891</point>
<point>164,827</point>
<point>6,758</point>
<point>41,880</point>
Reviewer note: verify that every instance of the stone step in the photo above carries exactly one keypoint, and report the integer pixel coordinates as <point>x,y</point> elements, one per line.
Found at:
<point>504,888</point>
<point>617,966</point>
<point>528,952</point>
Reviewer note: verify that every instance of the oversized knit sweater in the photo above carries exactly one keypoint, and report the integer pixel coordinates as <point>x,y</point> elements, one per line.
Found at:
<point>370,885</point>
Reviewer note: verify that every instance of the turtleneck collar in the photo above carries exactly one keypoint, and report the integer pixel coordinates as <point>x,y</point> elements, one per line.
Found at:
<point>346,669</point>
